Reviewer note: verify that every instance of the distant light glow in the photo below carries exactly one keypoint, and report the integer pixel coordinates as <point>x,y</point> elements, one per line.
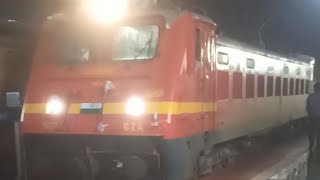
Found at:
<point>312,62</point>
<point>106,10</point>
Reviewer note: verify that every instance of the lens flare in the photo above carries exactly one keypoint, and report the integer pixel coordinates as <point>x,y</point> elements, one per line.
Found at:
<point>106,10</point>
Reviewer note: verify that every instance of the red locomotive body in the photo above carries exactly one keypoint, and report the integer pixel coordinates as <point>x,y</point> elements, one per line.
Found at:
<point>162,81</point>
<point>140,98</point>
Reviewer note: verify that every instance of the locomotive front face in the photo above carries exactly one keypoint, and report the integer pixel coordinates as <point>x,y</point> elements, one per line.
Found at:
<point>89,78</point>
<point>133,96</point>
<point>121,92</point>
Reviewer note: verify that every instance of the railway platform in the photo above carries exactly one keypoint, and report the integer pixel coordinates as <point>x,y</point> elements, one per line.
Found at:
<point>282,161</point>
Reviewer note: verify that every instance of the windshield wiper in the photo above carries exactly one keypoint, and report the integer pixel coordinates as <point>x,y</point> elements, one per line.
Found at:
<point>147,45</point>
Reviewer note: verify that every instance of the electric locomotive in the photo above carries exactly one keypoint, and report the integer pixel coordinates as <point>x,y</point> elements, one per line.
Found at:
<point>149,95</point>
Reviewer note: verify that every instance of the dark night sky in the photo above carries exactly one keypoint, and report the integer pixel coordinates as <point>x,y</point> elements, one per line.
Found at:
<point>294,25</point>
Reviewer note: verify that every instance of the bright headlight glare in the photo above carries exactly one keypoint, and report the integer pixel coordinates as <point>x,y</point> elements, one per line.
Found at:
<point>55,106</point>
<point>106,10</point>
<point>135,106</point>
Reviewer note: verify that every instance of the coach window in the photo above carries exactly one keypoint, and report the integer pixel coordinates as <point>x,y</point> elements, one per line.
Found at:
<point>297,86</point>
<point>270,86</point>
<point>286,70</point>
<point>308,73</point>
<point>298,71</point>
<point>223,58</point>
<point>198,45</point>
<point>237,85</point>
<point>278,86</point>
<point>307,86</point>
<point>285,87</point>
<point>250,63</point>
<point>250,86</point>
<point>270,69</point>
<point>260,86</point>
<point>291,86</point>
<point>302,86</point>
<point>223,85</point>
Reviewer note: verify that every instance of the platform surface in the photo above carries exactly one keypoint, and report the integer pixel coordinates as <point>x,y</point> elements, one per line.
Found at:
<point>268,162</point>
<point>314,171</point>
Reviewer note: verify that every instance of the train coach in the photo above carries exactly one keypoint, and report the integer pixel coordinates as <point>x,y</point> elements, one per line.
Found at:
<point>157,94</point>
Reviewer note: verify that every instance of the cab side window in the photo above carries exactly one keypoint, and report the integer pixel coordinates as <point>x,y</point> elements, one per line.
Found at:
<point>198,45</point>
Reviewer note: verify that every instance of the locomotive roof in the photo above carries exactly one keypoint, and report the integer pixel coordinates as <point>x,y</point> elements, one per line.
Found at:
<point>171,14</point>
<point>232,43</point>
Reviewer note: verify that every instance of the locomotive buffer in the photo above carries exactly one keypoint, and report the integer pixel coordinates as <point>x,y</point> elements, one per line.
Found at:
<point>285,161</point>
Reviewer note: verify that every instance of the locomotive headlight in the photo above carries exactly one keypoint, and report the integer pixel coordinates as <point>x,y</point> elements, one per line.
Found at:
<point>106,10</point>
<point>135,106</point>
<point>55,106</point>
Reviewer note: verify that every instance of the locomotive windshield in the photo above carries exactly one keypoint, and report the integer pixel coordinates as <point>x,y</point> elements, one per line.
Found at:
<point>73,47</point>
<point>128,43</point>
<point>135,43</point>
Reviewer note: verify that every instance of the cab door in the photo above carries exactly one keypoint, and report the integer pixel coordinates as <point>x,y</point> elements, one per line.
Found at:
<point>208,79</point>
<point>204,73</point>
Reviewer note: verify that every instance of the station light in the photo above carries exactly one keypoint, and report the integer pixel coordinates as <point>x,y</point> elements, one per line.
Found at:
<point>106,10</point>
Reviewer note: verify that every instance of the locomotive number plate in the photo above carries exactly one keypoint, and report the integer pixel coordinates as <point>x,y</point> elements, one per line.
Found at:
<point>132,126</point>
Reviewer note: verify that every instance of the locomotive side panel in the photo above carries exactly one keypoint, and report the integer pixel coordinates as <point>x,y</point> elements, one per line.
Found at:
<point>195,84</point>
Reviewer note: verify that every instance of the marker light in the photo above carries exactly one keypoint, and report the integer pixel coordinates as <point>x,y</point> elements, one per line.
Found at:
<point>55,106</point>
<point>135,106</point>
<point>106,10</point>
